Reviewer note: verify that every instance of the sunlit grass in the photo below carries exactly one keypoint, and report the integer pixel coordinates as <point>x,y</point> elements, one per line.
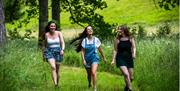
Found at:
<point>128,12</point>
<point>22,69</point>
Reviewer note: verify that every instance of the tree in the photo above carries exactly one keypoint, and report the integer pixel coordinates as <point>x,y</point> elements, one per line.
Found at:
<point>43,19</point>
<point>12,10</point>
<point>83,13</point>
<point>2,25</point>
<point>167,4</point>
<point>56,11</point>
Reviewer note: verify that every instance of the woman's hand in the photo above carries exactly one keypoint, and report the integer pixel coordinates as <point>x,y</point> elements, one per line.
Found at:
<point>62,52</point>
<point>133,56</point>
<point>112,62</point>
<point>84,62</point>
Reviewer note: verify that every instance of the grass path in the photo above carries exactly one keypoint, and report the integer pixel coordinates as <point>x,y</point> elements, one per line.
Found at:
<point>74,79</point>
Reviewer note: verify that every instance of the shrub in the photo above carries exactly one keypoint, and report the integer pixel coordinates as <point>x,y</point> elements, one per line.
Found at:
<point>164,30</point>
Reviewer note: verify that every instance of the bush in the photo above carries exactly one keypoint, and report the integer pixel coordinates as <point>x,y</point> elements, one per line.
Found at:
<point>164,30</point>
<point>138,31</point>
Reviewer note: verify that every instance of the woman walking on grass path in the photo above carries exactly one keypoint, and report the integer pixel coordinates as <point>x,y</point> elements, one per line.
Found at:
<point>53,49</point>
<point>124,53</point>
<point>88,45</point>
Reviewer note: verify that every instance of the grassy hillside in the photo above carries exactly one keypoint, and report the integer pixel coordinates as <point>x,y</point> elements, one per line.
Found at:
<point>120,12</point>
<point>140,11</point>
<point>130,11</point>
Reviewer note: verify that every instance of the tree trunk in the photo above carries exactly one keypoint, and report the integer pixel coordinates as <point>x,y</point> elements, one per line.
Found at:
<point>2,24</point>
<point>56,11</point>
<point>43,19</point>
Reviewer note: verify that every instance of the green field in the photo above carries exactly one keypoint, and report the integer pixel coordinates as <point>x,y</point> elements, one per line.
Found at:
<point>156,68</point>
<point>143,12</point>
<point>129,12</point>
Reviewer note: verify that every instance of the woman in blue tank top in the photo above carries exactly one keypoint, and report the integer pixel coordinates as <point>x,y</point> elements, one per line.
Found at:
<point>53,49</point>
<point>124,53</point>
<point>88,45</point>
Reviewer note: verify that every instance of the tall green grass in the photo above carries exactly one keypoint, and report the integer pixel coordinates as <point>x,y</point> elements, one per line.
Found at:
<point>157,65</point>
<point>21,66</point>
<point>22,69</point>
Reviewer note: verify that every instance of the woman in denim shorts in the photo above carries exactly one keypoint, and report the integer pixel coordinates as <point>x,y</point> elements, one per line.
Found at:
<point>53,49</point>
<point>88,45</point>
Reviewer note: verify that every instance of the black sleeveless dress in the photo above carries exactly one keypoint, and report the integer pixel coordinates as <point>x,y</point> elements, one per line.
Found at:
<point>124,54</point>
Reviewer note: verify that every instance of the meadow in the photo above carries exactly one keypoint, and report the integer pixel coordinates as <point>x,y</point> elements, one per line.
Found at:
<point>156,68</point>
<point>22,69</point>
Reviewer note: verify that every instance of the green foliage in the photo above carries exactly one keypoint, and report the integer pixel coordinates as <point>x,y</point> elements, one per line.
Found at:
<point>72,58</point>
<point>141,33</point>
<point>27,34</point>
<point>14,9</point>
<point>15,34</point>
<point>164,30</point>
<point>168,4</point>
<point>83,13</point>
<point>138,31</point>
<point>18,13</point>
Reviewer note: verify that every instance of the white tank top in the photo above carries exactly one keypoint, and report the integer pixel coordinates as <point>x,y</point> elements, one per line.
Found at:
<point>53,42</point>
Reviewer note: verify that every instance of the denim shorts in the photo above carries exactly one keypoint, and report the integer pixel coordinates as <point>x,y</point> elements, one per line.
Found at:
<point>53,53</point>
<point>89,64</point>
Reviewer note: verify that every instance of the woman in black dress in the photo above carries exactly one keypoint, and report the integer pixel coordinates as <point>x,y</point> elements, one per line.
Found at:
<point>124,53</point>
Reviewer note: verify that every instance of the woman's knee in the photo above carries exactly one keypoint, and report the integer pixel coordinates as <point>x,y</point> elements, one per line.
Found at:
<point>53,68</point>
<point>126,75</point>
<point>93,73</point>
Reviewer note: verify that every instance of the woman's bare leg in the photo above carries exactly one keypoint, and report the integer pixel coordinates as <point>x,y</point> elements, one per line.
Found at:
<point>53,68</point>
<point>126,76</point>
<point>94,69</point>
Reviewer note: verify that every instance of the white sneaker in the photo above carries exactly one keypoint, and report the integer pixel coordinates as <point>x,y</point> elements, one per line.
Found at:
<point>95,89</point>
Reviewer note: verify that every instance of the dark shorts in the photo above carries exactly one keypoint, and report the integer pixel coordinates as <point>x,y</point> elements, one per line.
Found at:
<point>53,53</point>
<point>124,62</point>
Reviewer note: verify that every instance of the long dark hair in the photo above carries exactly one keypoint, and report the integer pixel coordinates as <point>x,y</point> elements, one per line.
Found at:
<point>78,40</point>
<point>47,26</point>
<point>47,29</point>
<point>125,29</point>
